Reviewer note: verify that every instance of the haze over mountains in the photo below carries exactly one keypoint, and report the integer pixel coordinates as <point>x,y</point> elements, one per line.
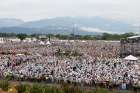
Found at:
<point>9,22</point>
<point>66,25</point>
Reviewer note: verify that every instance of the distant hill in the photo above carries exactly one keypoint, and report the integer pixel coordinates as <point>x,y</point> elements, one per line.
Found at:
<point>7,22</point>
<point>65,25</point>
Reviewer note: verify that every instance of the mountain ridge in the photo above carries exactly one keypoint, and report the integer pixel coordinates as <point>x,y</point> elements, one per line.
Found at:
<point>66,25</point>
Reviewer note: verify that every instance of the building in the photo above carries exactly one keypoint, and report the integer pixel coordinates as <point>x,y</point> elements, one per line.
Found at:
<point>1,40</point>
<point>9,39</point>
<point>30,39</point>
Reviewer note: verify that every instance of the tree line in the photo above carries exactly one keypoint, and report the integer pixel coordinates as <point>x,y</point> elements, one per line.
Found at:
<point>104,36</point>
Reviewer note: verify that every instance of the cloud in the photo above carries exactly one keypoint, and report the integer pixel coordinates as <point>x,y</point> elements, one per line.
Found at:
<point>126,10</point>
<point>89,29</point>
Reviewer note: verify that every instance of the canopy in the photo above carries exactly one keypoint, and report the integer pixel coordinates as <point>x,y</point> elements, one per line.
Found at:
<point>48,43</point>
<point>41,43</point>
<point>131,58</point>
<point>83,41</point>
<point>19,54</point>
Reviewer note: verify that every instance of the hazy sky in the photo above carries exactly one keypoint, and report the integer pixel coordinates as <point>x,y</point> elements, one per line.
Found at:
<point>127,10</point>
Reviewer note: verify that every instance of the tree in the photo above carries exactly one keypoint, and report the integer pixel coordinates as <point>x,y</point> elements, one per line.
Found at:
<point>21,36</point>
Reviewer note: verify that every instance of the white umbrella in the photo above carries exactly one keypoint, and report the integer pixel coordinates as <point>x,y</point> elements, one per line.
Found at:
<point>131,58</point>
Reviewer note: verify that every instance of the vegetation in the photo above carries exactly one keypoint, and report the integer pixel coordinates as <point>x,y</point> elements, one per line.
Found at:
<point>43,88</point>
<point>15,87</point>
<point>4,85</point>
<point>7,35</point>
<point>21,36</point>
<point>104,36</point>
<point>107,36</point>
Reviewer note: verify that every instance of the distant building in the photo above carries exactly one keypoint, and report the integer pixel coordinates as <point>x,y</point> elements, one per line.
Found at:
<point>42,36</point>
<point>9,39</point>
<point>14,39</point>
<point>30,39</point>
<point>1,40</point>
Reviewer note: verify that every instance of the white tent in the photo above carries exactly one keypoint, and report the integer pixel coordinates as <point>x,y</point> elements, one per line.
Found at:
<point>41,43</point>
<point>48,43</point>
<point>19,54</point>
<point>131,58</point>
<point>83,41</point>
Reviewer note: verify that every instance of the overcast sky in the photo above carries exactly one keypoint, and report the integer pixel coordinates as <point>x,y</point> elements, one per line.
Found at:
<point>127,10</point>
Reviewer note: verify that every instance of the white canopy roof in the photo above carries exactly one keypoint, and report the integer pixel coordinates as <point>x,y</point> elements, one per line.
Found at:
<point>131,58</point>
<point>83,41</point>
<point>19,54</point>
<point>48,43</point>
<point>41,43</point>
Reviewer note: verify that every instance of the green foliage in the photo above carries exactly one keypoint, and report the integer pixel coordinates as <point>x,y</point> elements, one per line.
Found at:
<point>63,88</point>
<point>23,88</point>
<point>34,35</point>
<point>7,35</point>
<point>4,85</point>
<point>107,36</point>
<point>102,90</point>
<point>63,37</point>
<point>47,89</point>
<point>104,36</point>
<point>21,36</point>
<point>36,88</point>
<point>9,77</point>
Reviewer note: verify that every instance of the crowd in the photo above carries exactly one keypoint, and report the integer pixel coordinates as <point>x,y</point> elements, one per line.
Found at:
<point>98,64</point>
